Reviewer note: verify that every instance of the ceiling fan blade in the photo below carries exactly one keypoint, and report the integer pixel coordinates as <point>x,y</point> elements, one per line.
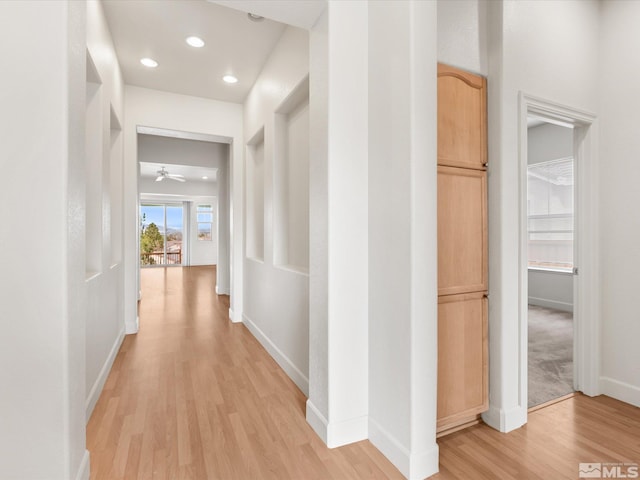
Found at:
<point>159,178</point>
<point>177,179</point>
<point>175,175</point>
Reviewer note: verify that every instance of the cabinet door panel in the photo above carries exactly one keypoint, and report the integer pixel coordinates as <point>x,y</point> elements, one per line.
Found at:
<point>462,128</point>
<point>462,358</point>
<point>462,230</point>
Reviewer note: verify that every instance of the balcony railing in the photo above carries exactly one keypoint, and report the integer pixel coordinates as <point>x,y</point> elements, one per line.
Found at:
<point>158,258</point>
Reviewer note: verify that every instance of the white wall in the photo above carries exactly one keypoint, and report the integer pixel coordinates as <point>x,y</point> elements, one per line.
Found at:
<point>42,364</point>
<point>197,188</point>
<point>462,34</point>
<point>402,221</point>
<point>550,289</point>
<point>550,56</point>
<point>162,110</point>
<point>105,314</point>
<point>620,197</point>
<point>549,142</point>
<point>338,372</point>
<point>276,300</point>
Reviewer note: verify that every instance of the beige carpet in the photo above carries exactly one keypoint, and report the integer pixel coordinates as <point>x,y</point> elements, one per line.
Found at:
<point>550,354</point>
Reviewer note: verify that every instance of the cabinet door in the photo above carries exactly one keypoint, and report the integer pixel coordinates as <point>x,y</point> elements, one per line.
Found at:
<point>462,123</point>
<point>462,230</point>
<point>462,358</point>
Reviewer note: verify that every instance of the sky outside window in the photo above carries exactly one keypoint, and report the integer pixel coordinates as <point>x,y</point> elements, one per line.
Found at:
<point>155,214</point>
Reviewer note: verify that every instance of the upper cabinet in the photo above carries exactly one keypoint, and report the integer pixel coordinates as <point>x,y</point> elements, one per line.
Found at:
<point>462,122</point>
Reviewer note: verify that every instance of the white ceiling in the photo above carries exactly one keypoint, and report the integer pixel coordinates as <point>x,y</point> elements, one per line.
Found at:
<point>299,13</point>
<point>158,28</point>
<point>190,173</point>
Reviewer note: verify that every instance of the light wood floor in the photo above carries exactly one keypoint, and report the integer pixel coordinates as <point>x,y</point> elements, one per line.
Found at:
<point>550,446</point>
<point>192,396</point>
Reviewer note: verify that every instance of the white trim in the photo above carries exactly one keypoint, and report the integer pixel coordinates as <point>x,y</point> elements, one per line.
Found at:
<point>165,132</point>
<point>544,302</point>
<point>233,317</point>
<point>317,421</point>
<point>98,385</point>
<point>84,469</point>
<point>337,434</point>
<point>347,431</point>
<point>553,271</point>
<point>622,391</point>
<point>132,328</point>
<point>505,420</point>
<point>586,295</point>
<point>412,466</point>
<point>299,378</point>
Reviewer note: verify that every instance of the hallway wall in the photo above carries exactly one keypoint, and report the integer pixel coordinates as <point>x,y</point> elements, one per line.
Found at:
<point>402,233</point>
<point>619,74</point>
<point>105,308</point>
<point>551,57</point>
<point>42,294</point>
<point>276,302</point>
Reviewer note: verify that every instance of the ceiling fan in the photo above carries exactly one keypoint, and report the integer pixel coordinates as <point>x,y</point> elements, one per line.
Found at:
<point>162,174</point>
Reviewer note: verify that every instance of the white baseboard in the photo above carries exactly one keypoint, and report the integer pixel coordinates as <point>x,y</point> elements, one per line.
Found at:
<point>348,431</point>
<point>132,327</point>
<point>505,420</point>
<point>622,391</point>
<point>84,470</point>
<point>337,434</point>
<point>235,318</point>
<point>287,365</point>
<point>98,385</point>
<point>317,421</point>
<point>414,466</point>
<point>544,302</point>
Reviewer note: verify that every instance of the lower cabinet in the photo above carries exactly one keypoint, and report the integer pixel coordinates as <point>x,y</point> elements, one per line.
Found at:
<point>462,359</point>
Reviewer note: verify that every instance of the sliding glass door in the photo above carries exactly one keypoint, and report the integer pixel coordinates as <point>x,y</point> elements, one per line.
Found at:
<point>161,233</point>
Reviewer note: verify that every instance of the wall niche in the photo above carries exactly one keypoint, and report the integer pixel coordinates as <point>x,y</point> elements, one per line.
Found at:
<point>291,180</point>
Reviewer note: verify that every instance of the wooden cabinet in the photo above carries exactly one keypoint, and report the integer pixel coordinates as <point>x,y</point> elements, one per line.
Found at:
<point>462,358</point>
<point>462,230</point>
<point>462,118</point>
<point>462,249</point>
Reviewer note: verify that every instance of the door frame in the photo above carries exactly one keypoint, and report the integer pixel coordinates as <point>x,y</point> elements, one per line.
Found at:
<point>586,295</point>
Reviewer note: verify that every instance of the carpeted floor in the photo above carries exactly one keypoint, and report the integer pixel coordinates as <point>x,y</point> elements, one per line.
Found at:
<point>550,354</point>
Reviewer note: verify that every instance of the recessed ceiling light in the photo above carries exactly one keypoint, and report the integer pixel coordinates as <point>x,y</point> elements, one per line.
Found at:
<point>149,62</point>
<point>204,177</point>
<point>195,42</point>
<point>230,79</point>
<point>255,18</point>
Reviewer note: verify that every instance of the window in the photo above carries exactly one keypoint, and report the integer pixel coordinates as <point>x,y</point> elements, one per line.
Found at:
<point>550,214</point>
<point>204,218</point>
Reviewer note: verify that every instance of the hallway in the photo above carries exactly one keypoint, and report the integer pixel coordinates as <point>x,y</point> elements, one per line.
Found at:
<point>193,396</point>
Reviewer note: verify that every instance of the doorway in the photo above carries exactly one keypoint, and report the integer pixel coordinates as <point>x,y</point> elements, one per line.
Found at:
<point>585,272</point>
<point>550,253</point>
